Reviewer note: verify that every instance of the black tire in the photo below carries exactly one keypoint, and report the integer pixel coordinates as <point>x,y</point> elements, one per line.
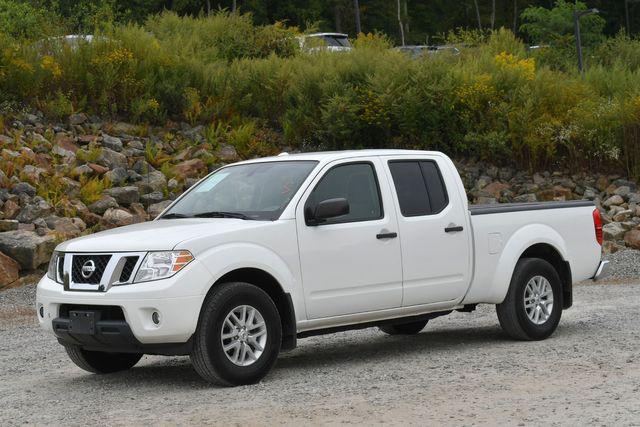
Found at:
<point>404,328</point>
<point>512,314</point>
<point>100,362</point>
<point>208,357</point>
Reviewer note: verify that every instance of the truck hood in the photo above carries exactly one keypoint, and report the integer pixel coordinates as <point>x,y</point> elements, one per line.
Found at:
<point>155,235</point>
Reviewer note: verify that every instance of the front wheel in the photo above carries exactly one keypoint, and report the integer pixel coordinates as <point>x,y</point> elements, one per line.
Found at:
<point>238,336</point>
<point>100,362</point>
<point>533,305</point>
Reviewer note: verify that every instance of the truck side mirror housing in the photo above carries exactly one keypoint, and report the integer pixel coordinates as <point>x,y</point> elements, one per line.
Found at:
<point>326,209</point>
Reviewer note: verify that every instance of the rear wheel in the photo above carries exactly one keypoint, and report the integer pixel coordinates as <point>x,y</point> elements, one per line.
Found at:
<point>533,305</point>
<point>238,336</point>
<point>100,362</point>
<point>404,328</point>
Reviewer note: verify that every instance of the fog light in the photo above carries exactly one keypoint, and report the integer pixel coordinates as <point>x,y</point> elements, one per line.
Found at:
<point>155,316</point>
<point>41,311</point>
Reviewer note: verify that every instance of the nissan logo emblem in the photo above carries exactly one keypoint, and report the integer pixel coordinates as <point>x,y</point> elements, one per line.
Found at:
<point>88,268</point>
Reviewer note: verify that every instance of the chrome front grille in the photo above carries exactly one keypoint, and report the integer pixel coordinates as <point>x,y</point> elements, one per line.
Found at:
<point>98,271</point>
<point>88,268</point>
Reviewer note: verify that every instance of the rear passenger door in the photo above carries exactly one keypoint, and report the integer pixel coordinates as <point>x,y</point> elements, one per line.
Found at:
<point>432,226</point>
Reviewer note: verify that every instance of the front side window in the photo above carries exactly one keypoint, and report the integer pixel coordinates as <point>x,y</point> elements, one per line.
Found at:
<point>355,182</point>
<point>258,191</point>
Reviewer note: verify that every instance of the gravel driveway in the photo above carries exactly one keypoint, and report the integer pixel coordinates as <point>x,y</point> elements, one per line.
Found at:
<point>460,370</point>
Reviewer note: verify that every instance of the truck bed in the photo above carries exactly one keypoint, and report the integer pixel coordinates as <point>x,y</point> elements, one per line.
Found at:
<point>519,207</point>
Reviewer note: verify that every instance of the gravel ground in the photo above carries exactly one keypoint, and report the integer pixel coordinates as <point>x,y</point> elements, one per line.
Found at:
<point>625,265</point>
<point>460,370</point>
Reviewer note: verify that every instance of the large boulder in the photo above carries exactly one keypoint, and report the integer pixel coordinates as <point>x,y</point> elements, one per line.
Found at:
<point>101,206</point>
<point>632,239</point>
<point>614,200</point>
<point>190,168</point>
<point>112,159</point>
<point>153,181</point>
<point>9,270</point>
<point>24,188</point>
<point>114,217</point>
<point>26,247</point>
<point>33,211</point>
<point>112,142</point>
<point>8,225</point>
<point>226,153</point>
<point>613,231</point>
<point>125,196</point>
<point>157,208</point>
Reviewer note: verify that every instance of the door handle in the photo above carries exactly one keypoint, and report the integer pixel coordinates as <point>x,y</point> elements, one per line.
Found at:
<point>453,228</point>
<point>386,235</point>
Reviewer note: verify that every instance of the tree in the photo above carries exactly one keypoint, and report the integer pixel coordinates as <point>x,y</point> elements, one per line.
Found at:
<point>542,25</point>
<point>356,11</point>
<point>475,2</point>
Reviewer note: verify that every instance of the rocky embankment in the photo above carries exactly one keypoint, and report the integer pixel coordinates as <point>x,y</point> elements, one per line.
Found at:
<point>59,181</point>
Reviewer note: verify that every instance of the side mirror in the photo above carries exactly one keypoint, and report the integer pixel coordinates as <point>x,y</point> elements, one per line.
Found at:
<point>326,209</point>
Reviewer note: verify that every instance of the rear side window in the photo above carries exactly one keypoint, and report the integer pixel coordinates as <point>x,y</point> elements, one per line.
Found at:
<point>419,186</point>
<point>355,182</point>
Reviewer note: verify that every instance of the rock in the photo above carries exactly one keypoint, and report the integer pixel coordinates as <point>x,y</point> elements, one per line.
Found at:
<point>590,193</point>
<point>112,159</point>
<point>173,185</point>
<point>614,200</point>
<point>136,145</point>
<point>64,146</point>
<point>152,198</point>
<point>622,215</point>
<point>139,214</point>
<point>525,198</point>
<point>10,209</point>
<point>557,193</point>
<point>64,226</point>
<point>124,195</point>
<point>486,200</point>
<point>33,211</point>
<point>154,181</point>
<point>632,239</point>
<point>112,142</point>
<point>98,169</point>
<point>226,153</point>
<point>190,168</point>
<point>538,179</point>
<point>495,189</point>
<point>634,198</point>
<point>82,170</point>
<point>157,208</point>
<point>143,167</point>
<point>611,247</point>
<point>8,225</point>
<point>117,176</point>
<point>613,231</point>
<point>77,119</point>
<point>102,205</point>
<point>623,191</point>
<point>115,217</point>
<point>27,248</point>
<point>24,188</point>
<point>86,139</point>
<point>9,270</point>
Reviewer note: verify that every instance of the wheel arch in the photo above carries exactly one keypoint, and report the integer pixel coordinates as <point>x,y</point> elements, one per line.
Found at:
<point>550,254</point>
<point>274,289</point>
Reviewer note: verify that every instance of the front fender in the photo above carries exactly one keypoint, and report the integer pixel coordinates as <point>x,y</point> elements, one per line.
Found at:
<point>517,244</point>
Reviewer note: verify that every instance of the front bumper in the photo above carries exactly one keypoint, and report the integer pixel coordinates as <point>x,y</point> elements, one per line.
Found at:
<point>603,269</point>
<point>177,301</point>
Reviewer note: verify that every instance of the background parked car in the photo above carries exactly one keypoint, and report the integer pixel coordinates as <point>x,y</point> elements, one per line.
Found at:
<point>417,51</point>
<point>332,42</point>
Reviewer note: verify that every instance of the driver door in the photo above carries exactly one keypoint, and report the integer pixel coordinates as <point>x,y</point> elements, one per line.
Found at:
<point>351,263</point>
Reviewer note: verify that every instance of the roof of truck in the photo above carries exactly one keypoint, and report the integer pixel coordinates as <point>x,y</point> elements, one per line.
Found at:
<point>329,156</point>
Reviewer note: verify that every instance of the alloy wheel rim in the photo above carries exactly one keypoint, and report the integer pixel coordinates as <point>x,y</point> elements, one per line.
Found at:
<point>538,300</point>
<point>243,335</point>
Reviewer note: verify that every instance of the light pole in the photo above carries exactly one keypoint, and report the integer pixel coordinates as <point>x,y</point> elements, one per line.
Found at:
<point>577,14</point>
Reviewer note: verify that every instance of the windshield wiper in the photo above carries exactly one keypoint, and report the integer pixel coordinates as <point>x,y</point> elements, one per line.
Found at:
<point>221,214</point>
<point>174,215</point>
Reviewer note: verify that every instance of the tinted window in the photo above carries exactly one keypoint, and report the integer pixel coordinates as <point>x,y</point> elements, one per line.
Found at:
<point>410,187</point>
<point>435,186</point>
<point>419,187</point>
<point>355,182</point>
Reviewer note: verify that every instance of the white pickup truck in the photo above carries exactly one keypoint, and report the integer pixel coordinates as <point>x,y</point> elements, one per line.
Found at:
<point>263,252</point>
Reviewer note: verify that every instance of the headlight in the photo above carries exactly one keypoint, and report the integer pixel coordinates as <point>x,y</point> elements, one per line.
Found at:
<point>160,265</point>
<point>55,267</point>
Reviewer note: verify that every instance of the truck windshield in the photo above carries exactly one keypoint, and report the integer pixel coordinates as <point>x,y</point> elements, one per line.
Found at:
<point>255,191</point>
